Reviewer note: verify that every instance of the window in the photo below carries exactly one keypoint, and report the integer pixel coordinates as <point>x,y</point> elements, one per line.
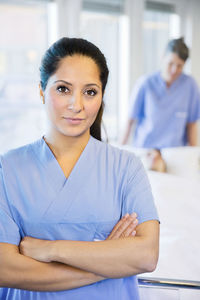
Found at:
<point>106,15</point>
<point>103,34</point>
<point>160,24</point>
<point>23,41</point>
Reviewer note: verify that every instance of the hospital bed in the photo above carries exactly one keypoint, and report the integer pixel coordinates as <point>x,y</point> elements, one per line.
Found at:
<point>177,197</point>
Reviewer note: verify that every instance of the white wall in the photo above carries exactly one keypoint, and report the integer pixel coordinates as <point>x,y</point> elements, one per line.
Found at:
<point>69,17</point>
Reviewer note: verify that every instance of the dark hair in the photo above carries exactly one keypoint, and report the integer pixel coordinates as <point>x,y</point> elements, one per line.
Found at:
<point>69,47</point>
<point>179,47</point>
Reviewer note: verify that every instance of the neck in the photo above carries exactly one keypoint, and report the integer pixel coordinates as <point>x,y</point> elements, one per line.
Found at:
<point>62,145</point>
<point>167,81</point>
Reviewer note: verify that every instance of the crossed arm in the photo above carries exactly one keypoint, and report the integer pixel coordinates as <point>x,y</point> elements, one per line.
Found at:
<point>59,265</point>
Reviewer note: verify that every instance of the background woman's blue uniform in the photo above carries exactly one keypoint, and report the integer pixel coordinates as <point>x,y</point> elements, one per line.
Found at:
<point>36,199</point>
<point>162,112</point>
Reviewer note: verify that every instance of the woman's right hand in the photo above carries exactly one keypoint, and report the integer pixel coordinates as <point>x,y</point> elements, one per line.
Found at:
<point>126,227</point>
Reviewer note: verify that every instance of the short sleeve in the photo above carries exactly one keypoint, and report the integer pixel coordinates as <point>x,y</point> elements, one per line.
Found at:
<point>194,104</point>
<point>137,100</point>
<point>9,231</point>
<point>138,195</point>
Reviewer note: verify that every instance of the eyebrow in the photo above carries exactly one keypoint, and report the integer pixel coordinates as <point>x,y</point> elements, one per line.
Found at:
<point>87,85</point>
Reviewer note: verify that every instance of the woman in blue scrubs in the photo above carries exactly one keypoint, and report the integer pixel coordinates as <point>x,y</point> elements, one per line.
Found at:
<point>165,104</point>
<point>77,218</point>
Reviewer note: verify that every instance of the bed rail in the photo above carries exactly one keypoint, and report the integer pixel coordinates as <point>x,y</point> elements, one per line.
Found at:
<point>164,282</point>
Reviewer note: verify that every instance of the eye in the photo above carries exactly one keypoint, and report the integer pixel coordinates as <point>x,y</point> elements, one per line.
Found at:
<point>91,92</point>
<point>62,89</point>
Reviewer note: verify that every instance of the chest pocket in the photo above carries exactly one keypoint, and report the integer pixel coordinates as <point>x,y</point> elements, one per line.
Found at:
<point>180,120</point>
<point>59,231</point>
<point>103,230</point>
<point>68,231</point>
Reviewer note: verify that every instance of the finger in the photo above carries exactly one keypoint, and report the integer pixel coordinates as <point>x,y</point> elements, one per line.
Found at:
<point>130,229</point>
<point>121,225</point>
<point>133,233</point>
<point>124,225</point>
<point>120,230</point>
<point>117,226</point>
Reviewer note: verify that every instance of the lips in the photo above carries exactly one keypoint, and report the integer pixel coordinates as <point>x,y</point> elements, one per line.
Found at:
<point>73,120</point>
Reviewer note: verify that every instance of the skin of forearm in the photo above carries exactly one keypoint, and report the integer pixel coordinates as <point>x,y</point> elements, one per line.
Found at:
<point>19,271</point>
<point>110,259</point>
<point>192,134</point>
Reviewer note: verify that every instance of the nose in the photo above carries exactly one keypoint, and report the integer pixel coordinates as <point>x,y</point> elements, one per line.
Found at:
<point>76,103</point>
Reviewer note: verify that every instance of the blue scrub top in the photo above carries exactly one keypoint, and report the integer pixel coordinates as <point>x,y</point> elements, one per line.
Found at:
<point>162,113</point>
<point>37,200</point>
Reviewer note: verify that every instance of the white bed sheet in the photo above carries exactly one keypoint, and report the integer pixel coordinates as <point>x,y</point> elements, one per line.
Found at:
<point>178,203</point>
<point>177,197</point>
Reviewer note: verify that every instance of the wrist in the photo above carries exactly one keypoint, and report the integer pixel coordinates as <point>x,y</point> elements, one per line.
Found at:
<point>60,251</point>
<point>53,251</point>
<point>96,278</point>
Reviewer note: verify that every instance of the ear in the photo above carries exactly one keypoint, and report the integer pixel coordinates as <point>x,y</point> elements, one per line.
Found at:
<point>41,93</point>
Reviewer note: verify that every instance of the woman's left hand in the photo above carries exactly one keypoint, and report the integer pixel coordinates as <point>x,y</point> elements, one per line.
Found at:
<point>41,250</point>
<point>35,248</point>
<point>126,227</point>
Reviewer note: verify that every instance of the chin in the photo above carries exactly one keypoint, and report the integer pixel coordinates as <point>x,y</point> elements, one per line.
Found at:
<point>73,133</point>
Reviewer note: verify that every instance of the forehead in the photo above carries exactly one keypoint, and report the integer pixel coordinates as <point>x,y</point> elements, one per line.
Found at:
<point>80,65</point>
<point>172,57</point>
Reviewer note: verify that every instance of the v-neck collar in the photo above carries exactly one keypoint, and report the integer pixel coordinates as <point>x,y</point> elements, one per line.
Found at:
<point>50,163</point>
<point>174,83</point>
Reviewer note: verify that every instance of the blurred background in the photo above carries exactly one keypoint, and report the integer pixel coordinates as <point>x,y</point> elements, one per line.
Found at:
<point>131,33</point>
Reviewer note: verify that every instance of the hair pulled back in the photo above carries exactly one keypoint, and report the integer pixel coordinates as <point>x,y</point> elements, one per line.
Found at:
<point>179,47</point>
